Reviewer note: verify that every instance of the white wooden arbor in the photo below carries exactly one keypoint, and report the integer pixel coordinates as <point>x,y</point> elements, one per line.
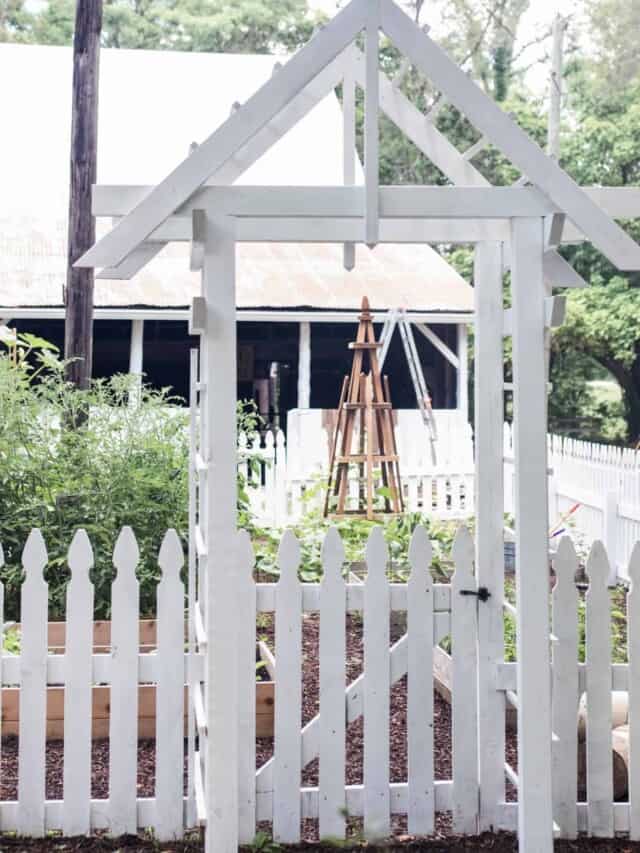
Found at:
<point>515,227</point>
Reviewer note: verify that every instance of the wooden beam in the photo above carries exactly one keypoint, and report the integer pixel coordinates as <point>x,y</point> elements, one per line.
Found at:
<point>78,333</point>
<point>489,503</point>
<point>535,820</point>
<point>371,130</point>
<point>349,148</point>
<point>509,138</point>
<point>223,143</point>
<point>220,371</point>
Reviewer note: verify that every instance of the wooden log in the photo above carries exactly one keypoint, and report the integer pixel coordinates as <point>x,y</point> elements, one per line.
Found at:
<point>620,761</point>
<point>619,712</point>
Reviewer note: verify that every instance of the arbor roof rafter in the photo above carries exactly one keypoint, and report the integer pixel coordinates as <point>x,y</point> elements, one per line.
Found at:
<point>127,247</point>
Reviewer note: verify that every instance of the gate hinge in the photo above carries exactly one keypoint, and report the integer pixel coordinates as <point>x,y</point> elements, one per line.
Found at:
<point>482,593</point>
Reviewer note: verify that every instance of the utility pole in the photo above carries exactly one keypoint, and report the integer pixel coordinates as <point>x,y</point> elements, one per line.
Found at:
<point>78,343</point>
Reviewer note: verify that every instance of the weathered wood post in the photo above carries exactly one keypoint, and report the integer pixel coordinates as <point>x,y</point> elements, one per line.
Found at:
<point>221,673</point>
<point>78,338</point>
<point>489,488</point>
<point>535,823</point>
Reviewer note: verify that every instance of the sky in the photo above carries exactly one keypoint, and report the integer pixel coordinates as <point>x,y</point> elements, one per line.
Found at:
<point>536,21</point>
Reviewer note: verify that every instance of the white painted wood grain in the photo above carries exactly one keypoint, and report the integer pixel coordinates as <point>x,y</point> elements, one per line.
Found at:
<point>246,689</point>
<point>78,689</point>
<point>565,689</point>
<point>371,129</point>
<point>33,688</point>
<point>123,722</point>
<point>535,819</point>
<point>288,712</point>
<point>332,686</point>
<point>489,503</point>
<point>377,601</point>
<point>421,805</point>
<point>170,691</point>
<point>464,695</point>
<point>633,653</point>
<point>598,667</point>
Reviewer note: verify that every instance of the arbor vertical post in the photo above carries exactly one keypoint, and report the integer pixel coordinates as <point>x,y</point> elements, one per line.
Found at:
<point>221,622</point>
<point>78,340</point>
<point>489,502</point>
<point>535,828</point>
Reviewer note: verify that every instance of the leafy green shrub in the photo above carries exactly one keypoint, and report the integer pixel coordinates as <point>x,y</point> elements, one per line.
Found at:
<point>124,465</point>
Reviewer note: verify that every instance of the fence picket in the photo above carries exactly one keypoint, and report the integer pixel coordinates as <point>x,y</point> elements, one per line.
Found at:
<point>170,691</point>
<point>377,600</point>
<point>598,683</point>
<point>123,722</point>
<point>421,805</point>
<point>76,819</point>
<point>288,711</point>
<point>332,686</point>
<point>633,656</point>
<point>464,625</point>
<point>246,689</point>
<point>565,689</point>
<point>33,688</point>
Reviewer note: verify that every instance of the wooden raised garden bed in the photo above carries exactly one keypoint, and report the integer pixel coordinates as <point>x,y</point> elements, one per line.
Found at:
<point>265,690</point>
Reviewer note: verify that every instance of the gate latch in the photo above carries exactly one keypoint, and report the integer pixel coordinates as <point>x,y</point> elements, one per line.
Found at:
<point>482,593</point>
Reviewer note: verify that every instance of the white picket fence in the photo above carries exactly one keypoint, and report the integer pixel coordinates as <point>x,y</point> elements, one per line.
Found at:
<point>604,480</point>
<point>78,670</point>
<point>274,793</point>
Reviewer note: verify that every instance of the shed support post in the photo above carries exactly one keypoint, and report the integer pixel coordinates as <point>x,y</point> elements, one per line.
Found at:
<point>136,357</point>
<point>304,365</point>
<point>489,500</point>
<point>462,395</point>
<point>535,826</point>
<point>221,672</point>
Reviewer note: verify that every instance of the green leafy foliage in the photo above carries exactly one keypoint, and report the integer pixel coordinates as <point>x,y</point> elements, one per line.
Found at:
<point>126,465</point>
<point>218,26</point>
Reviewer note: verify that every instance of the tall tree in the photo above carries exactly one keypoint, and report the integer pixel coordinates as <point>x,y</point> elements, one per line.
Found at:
<point>78,344</point>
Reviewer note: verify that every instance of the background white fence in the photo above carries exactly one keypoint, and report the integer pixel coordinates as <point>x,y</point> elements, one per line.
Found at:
<point>604,480</point>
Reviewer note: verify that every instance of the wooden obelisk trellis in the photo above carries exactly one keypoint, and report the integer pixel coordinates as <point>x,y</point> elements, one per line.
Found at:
<point>364,396</point>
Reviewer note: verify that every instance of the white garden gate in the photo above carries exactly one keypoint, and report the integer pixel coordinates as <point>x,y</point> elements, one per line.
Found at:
<point>517,228</point>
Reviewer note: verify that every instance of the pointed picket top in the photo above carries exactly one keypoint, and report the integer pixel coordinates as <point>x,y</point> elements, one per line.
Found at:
<point>634,567</point>
<point>463,554</point>
<point>565,562</point>
<point>597,565</point>
<point>288,555</point>
<point>1,556</point>
<point>80,556</point>
<point>332,555</point>
<point>420,554</point>
<point>126,554</point>
<point>34,555</point>
<point>376,555</point>
<point>245,554</point>
<point>171,556</point>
